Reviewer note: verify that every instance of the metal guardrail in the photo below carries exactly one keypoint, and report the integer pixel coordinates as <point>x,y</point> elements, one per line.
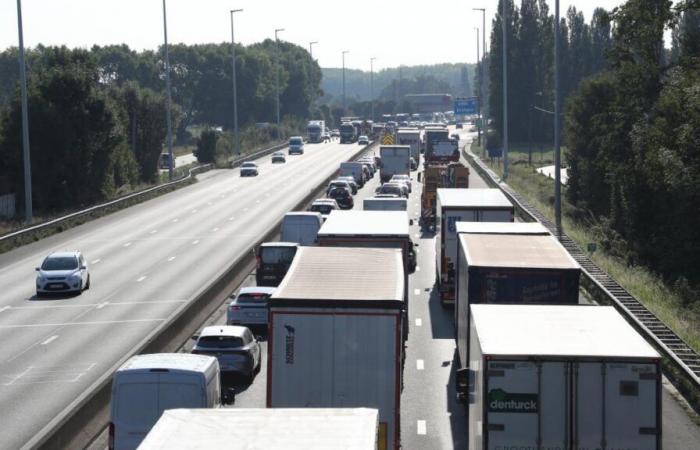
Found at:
<point>678,353</point>
<point>88,415</point>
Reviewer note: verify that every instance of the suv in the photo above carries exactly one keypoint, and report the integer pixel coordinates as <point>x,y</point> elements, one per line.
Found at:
<point>342,196</point>
<point>324,206</point>
<point>337,183</point>
<point>249,169</point>
<point>296,145</point>
<point>62,272</point>
<point>272,262</point>
<point>235,348</point>
<point>351,182</point>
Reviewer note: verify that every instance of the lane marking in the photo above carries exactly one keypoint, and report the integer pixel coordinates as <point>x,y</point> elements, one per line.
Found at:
<point>230,219</point>
<point>141,278</point>
<point>195,242</point>
<point>50,340</point>
<point>215,229</point>
<point>154,231</point>
<point>127,244</point>
<point>420,365</point>
<point>421,427</point>
<point>96,261</point>
<point>102,305</point>
<point>419,322</point>
<point>5,308</point>
<point>65,324</point>
<point>416,291</point>
<point>417,268</point>
<point>171,258</point>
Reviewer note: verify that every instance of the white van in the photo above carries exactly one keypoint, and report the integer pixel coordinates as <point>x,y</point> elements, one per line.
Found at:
<point>301,227</point>
<point>353,169</point>
<point>146,385</point>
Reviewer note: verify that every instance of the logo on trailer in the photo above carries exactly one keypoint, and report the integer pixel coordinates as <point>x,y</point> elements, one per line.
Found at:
<point>501,401</point>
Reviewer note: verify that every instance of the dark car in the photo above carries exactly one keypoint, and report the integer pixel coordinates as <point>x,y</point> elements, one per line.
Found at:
<point>273,260</point>
<point>459,125</point>
<point>343,197</point>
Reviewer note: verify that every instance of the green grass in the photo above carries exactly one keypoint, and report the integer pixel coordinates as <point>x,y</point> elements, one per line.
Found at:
<point>640,281</point>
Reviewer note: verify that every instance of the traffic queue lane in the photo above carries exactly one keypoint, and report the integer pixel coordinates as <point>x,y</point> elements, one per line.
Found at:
<point>146,262</point>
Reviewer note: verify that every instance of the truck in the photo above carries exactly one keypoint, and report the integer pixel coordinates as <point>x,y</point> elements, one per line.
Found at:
<point>262,428</point>
<point>354,169</point>
<point>462,205</point>
<point>384,204</point>
<point>436,176</point>
<point>315,130</point>
<point>335,334</point>
<point>560,377</point>
<point>412,138</point>
<point>348,133</point>
<point>396,160</point>
<point>439,148</point>
<point>511,268</point>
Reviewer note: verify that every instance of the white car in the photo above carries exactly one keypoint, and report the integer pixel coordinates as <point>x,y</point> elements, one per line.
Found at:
<point>62,272</point>
<point>324,206</point>
<point>402,179</point>
<point>235,347</point>
<point>363,140</point>
<point>249,306</point>
<point>296,145</point>
<point>249,169</point>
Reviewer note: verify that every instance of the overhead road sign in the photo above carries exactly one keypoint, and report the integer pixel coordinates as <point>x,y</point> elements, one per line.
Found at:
<point>465,106</point>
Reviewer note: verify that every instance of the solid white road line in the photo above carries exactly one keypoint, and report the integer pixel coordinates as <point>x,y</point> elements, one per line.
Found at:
<point>421,427</point>
<point>419,364</point>
<point>50,340</point>
<point>141,278</point>
<point>419,322</point>
<point>65,324</point>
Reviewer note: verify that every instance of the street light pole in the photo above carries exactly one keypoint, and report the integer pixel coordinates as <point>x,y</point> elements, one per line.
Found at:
<point>371,84</point>
<point>311,48</point>
<point>478,129</point>
<point>557,149</point>
<point>167,94</point>
<point>504,16</point>
<point>28,212</point>
<point>344,52</point>
<point>277,79</point>
<point>482,85</point>
<point>237,141</point>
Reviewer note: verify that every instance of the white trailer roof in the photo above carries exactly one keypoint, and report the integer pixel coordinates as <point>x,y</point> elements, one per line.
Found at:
<point>515,251</point>
<point>555,330</point>
<point>502,228</point>
<point>344,274</point>
<point>264,428</point>
<point>472,198</point>
<point>361,223</point>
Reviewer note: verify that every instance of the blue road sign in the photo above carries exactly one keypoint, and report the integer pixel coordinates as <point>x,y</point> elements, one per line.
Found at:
<point>466,106</point>
<point>495,152</point>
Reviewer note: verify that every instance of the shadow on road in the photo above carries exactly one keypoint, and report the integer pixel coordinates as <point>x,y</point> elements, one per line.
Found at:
<point>53,296</point>
<point>458,411</point>
<point>441,317</point>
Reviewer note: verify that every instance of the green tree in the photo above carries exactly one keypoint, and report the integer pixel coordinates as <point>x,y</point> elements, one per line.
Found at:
<point>206,146</point>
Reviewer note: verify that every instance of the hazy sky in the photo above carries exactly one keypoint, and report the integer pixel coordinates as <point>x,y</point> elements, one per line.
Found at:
<point>395,32</point>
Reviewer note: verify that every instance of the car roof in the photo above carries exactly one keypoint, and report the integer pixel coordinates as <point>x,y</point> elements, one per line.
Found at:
<point>64,254</point>
<point>223,330</point>
<point>249,163</point>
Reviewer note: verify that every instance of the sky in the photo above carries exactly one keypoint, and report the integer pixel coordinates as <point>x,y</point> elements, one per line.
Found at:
<point>395,32</point>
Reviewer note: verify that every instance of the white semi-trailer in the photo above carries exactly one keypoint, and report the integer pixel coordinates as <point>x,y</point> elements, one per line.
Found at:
<point>560,377</point>
<point>396,160</point>
<point>315,130</point>
<point>335,334</point>
<point>265,428</point>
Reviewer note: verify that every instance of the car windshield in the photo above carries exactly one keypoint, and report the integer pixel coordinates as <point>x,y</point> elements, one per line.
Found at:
<point>390,189</point>
<point>322,208</point>
<point>219,342</point>
<point>276,255</point>
<point>248,165</point>
<point>339,192</point>
<point>60,263</point>
<point>295,141</point>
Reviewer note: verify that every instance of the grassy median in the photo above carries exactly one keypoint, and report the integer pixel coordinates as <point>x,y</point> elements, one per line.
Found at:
<point>669,305</point>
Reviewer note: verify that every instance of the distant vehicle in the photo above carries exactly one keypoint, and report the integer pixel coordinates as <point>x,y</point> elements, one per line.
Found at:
<point>326,136</point>
<point>341,184</point>
<point>249,169</point>
<point>392,189</point>
<point>315,131</point>
<point>301,227</point>
<point>363,140</point>
<point>335,133</point>
<point>62,272</point>
<point>249,306</point>
<point>324,206</point>
<point>272,261</point>
<point>403,186</point>
<point>343,197</point>
<point>395,160</point>
<point>455,136</point>
<point>459,125</point>
<point>384,204</point>
<point>146,385</point>
<point>296,145</point>
<point>413,163</point>
<point>164,161</point>
<point>278,157</point>
<point>354,169</point>
<point>412,138</point>
<point>235,347</point>
<point>402,178</point>
<point>351,181</point>
<point>348,133</point>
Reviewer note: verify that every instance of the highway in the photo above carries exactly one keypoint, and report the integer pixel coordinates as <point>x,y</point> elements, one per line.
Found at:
<point>146,262</point>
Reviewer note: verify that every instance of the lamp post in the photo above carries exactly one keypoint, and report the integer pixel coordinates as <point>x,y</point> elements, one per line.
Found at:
<point>167,94</point>
<point>504,16</point>
<point>557,149</point>
<point>311,48</point>
<point>478,129</point>
<point>371,85</point>
<point>235,97</point>
<point>28,213</point>
<point>484,111</point>
<point>344,52</point>
<point>277,78</point>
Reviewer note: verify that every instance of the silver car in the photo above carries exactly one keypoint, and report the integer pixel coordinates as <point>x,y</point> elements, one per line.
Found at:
<point>351,181</point>
<point>62,272</point>
<point>402,179</point>
<point>235,347</point>
<point>249,306</point>
<point>249,169</point>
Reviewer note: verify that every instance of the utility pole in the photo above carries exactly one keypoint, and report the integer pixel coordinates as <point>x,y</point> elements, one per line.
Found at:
<point>344,52</point>
<point>504,16</point>
<point>371,84</point>
<point>485,110</point>
<point>478,129</point>
<point>311,48</point>
<point>557,149</point>
<point>28,212</point>
<point>237,141</point>
<point>277,79</point>
<point>167,94</point>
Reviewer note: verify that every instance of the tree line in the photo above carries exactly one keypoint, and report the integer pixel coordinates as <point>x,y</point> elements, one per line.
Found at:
<point>97,116</point>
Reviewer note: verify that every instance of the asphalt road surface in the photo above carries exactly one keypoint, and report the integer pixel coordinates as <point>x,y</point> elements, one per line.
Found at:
<point>146,262</point>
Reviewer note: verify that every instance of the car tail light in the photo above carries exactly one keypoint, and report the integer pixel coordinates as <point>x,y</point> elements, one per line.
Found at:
<point>234,308</point>
<point>110,439</point>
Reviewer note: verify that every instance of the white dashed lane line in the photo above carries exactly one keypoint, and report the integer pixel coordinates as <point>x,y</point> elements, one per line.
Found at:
<point>421,427</point>
<point>195,242</point>
<point>50,340</point>
<point>4,308</point>
<point>101,305</point>
<point>171,258</point>
<point>141,278</point>
<point>419,322</point>
<point>417,269</point>
<point>420,365</point>
<point>127,244</point>
<point>154,231</point>
<point>175,220</point>
<point>416,291</point>
<point>215,229</point>
<point>96,261</point>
